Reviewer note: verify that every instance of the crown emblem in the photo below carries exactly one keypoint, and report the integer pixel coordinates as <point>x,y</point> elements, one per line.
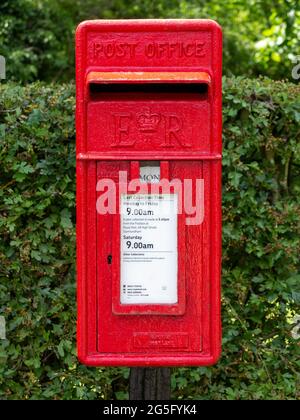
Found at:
<point>148,121</point>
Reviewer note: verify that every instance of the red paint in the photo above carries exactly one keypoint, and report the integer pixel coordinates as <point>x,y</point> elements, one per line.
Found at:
<point>148,90</point>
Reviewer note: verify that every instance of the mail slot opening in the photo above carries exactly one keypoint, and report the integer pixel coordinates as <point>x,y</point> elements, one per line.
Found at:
<point>199,88</point>
<point>100,91</point>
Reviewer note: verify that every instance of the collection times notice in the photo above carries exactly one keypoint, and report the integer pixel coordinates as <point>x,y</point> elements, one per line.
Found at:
<point>149,249</point>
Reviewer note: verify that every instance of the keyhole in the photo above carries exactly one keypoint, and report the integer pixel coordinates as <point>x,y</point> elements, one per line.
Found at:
<point>109,259</point>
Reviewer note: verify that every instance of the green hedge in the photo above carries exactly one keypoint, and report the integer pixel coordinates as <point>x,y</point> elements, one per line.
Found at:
<point>261,248</point>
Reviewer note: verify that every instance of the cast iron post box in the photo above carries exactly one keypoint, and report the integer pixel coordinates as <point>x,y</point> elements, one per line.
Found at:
<point>148,123</point>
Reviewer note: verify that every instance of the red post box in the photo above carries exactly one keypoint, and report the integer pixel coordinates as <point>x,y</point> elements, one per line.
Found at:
<point>148,123</point>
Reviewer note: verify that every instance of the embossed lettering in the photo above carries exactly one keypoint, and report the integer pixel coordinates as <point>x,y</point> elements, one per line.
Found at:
<point>175,49</point>
<point>200,51</point>
<point>148,122</point>
<point>150,50</point>
<point>122,122</point>
<point>157,340</point>
<point>173,131</point>
<point>114,49</point>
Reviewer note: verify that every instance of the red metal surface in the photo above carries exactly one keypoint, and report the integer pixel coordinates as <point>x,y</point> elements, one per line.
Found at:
<point>172,57</point>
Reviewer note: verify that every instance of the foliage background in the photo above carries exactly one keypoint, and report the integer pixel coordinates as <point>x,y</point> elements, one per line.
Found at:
<point>261,201</point>
<point>36,36</point>
<point>261,238</point>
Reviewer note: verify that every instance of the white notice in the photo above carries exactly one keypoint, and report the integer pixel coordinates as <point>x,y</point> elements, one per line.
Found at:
<point>149,249</point>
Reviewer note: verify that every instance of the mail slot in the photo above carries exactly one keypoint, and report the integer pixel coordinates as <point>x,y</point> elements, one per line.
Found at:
<point>148,152</point>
